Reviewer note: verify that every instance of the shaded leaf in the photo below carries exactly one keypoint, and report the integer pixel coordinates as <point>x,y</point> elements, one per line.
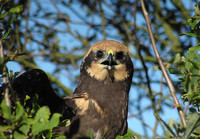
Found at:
<point>5,35</point>
<point>19,111</point>
<point>3,15</point>
<point>5,109</point>
<point>4,128</point>
<point>192,123</point>
<point>189,57</point>
<point>2,136</point>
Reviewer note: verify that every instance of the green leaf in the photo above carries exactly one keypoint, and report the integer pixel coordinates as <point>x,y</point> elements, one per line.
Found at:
<point>128,135</point>
<point>171,123</point>
<point>4,128</point>
<point>156,67</point>
<point>19,111</point>
<point>46,125</point>
<point>190,34</point>
<point>177,58</point>
<point>14,17</point>
<point>2,136</point>
<point>196,65</point>
<point>59,137</point>
<point>43,114</point>
<point>27,98</point>
<point>54,121</point>
<point>192,123</point>
<point>6,110</point>
<point>16,9</point>
<point>25,128</point>
<point>29,121</point>
<point>38,127</point>
<point>196,48</point>
<point>189,57</point>
<point>174,71</point>
<point>196,8</point>
<point>192,23</point>
<point>17,135</point>
<point>41,120</point>
<point>89,134</point>
<point>3,15</point>
<point>5,35</point>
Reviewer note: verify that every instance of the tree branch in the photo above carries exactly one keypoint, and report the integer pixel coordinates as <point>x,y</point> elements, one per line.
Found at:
<point>165,74</point>
<point>6,93</point>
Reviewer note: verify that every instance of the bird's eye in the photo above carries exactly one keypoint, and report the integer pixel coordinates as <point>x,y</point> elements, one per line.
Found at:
<point>119,55</point>
<point>99,54</point>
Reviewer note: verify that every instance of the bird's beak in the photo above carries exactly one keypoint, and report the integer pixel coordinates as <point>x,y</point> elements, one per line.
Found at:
<point>110,61</point>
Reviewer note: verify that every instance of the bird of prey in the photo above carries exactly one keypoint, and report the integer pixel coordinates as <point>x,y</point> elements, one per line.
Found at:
<point>99,104</point>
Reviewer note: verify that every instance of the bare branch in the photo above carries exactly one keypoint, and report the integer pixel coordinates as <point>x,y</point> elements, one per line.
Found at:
<point>6,92</point>
<point>165,74</point>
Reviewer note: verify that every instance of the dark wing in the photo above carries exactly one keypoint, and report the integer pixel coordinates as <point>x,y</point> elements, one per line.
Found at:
<point>36,82</point>
<point>76,101</point>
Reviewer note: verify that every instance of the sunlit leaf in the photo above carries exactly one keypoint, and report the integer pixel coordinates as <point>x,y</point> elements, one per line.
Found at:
<point>54,121</point>
<point>25,128</point>
<point>190,34</point>
<point>16,9</point>
<point>128,135</point>
<point>4,128</point>
<point>17,135</point>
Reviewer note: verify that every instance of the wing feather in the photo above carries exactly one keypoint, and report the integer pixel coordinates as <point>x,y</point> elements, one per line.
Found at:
<point>36,82</point>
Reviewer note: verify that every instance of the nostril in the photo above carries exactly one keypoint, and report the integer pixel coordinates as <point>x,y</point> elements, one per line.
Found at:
<point>109,63</point>
<point>105,62</point>
<point>113,63</point>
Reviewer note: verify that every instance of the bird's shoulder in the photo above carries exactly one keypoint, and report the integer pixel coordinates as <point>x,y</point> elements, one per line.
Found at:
<point>82,103</point>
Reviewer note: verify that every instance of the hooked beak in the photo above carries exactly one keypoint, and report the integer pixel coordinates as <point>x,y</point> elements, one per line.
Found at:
<point>110,62</point>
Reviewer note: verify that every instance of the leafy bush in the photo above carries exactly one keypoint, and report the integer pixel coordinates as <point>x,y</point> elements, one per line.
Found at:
<point>26,123</point>
<point>188,69</point>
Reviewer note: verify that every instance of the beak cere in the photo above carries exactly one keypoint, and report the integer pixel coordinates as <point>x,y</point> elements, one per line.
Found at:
<point>110,62</point>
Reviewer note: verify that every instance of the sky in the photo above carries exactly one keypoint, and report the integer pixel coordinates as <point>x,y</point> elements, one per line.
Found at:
<point>134,124</point>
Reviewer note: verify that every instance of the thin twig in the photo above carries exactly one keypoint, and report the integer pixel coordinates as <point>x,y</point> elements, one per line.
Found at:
<point>6,91</point>
<point>165,74</point>
<point>138,46</point>
<point>27,24</point>
<point>187,106</point>
<point>102,20</point>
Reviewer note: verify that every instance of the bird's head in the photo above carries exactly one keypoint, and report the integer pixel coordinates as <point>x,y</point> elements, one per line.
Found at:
<point>108,60</point>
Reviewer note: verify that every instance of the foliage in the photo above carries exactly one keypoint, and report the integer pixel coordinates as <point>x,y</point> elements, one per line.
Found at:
<point>36,34</point>
<point>188,70</point>
<point>26,123</point>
